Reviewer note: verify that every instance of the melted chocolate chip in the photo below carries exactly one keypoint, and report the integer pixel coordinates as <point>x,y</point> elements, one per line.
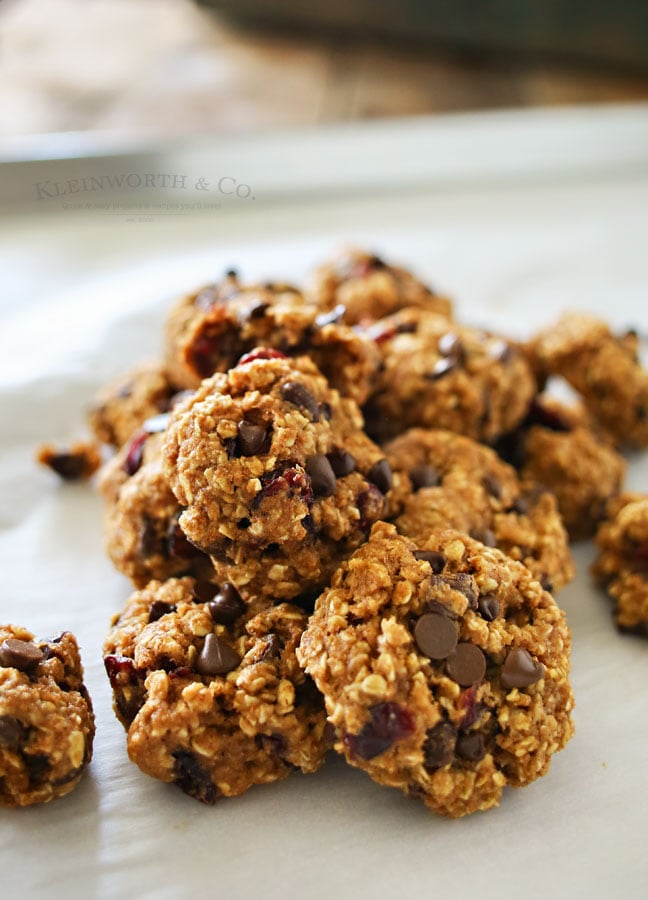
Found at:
<point>488,607</point>
<point>12,732</point>
<point>216,657</point>
<point>322,475</point>
<point>388,723</point>
<point>252,439</point>
<point>435,635</point>
<point>436,560</point>
<point>464,584</point>
<point>439,746</point>
<point>380,474</point>
<point>298,394</point>
<point>204,591</point>
<point>192,778</point>
<point>21,655</point>
<point>226,606</point>
<point>341,462</point>
<point>520,669</point>
<point>467,665</point>
<point>424,476</point>
<point>471,747</point>
<point>158,609</point>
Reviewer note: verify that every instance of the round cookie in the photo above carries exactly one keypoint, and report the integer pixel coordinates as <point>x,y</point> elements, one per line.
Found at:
<point>46,719</point>
<point>437,374</point>
<point>217,328</point>
<point>277,480</point>
<point>556,447</point>
<point>445,480</point>
<point>210,692</point>
<point>369,288</point>
<point>444,668</point>
<point>604,369</point>
<point>621,566</point>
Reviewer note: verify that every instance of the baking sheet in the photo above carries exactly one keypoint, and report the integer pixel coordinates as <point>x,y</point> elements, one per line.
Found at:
<point>83,297</point>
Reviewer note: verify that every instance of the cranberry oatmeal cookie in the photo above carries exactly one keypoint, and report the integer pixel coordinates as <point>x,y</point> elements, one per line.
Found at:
<point>438,374</point>
<point>444,668</point>
<point>210,691</point>
<point>276,478</point>
<point>46,719</point>
<point>621,566</point>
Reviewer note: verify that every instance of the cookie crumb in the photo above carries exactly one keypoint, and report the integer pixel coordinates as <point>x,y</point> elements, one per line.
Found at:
<point>79,462</point>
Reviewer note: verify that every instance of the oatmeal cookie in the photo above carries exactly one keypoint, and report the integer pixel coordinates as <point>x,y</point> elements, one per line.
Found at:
<point>276,478</point>
<point>621,566</point>
<point>210,691</point>
<point>126,403</point>
<point>46,720</point>
<point>556,446</point>
<point>445,480</point>
<point>369,288</point>
<point>444,668</point>
<point>218,327</point>
<point>437,374</point>
<point>604,369</point>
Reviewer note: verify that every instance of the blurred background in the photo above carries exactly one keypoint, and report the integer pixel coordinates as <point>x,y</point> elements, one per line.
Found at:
<point>169,69</point>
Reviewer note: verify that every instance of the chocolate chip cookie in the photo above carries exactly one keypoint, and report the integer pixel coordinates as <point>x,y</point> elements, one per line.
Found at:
<point>210,691</point>
<point>445,480</point>
<point>437,374</point>
<point>368,288</point>
<point>46,720</point>
<point>444,668</point>
<point>621,566</point>
<point>276,478</point>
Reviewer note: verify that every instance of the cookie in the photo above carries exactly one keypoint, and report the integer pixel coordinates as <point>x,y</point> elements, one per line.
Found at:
<point>444,668</point>
<point>276,478</point>
<point>437,374</point>
<point>557,447</point>
<point>445,480</point>
<point>368,288</point>
<point>210,330</point>
<point>210,691</point>
<point>126,403</point>
<point>621,565</point>
<point>604,369</point>
<point>46,719</point>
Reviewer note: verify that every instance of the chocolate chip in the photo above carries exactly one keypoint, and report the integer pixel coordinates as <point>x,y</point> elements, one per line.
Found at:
<point>436,560</point>
<point>341,462</point>
<point>442,367</point>
<point>492,485</point>
<point>488,607</point>
<point>12,732</point>
<point>178,544</point>
<point>322,475</point>
<point>380,474</point>
<point>22,655</point>
<point>216,657</point>
<point>520,506</point>
<point>471,746</point>
<point>252,439</point>
<point>272,648</point>
<point>332,317</point>
<point>464,584</point>
<point>439,746</point>
<point>298,394</point>
<point>467,665</point>
<point>484,535</point>
<point>192,778</point>
<point>68,466</point>
<point>435,635</point>
<point>226,606</point>
<point>158,609</point>
<point>520,669</point>
<point>424,476</point>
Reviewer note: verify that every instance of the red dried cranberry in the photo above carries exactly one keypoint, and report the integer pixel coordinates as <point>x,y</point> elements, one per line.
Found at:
<point>120,670</point>
<point>295,479</point>
<point>371,505</point>
<point>260,353</point>
<point>388,723</point>
<point>135,454</point>
<point>468,702</point>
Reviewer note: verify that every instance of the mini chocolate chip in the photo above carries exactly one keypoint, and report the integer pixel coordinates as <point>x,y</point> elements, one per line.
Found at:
<point>227,605</point>
<point>439,746</point>
<point>332,317</point>
<point>341,462</point>
<point>488,607</point>
<point>216,657</point>
<point>435,635</point>
<point>471,746</point>
<point>443,366</point>
<point>252,439</point>
<point>12,732</point>
<point>22,655</point>
<point>158,609</point>
<point>380,474</point>
<point>436,560</point>
<point>467,665</point>
<point>492,485</point>
<point>449,344</point>
<point>484,535</point>
<point>424,476</point>
<point>464,584</point>
<point>321,475</point>
<point>156,424</point>
<point>520,669</point>
<point>298,394</point>
<point>546,584</point>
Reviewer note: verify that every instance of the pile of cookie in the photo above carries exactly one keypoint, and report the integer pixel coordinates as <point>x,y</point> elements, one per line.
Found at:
<point>345,515</point>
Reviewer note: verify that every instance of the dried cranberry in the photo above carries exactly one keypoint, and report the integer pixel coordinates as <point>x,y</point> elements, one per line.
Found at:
<point>135,454</point>
<point>371,505</point>
<point>205,353</point>
<point>468,702</point>
<point>546,417</point>
<point>178,544</point>
<point>294,479</point>
<point>260,353</point>
<point>388,723</point>
<point>120,670</point>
